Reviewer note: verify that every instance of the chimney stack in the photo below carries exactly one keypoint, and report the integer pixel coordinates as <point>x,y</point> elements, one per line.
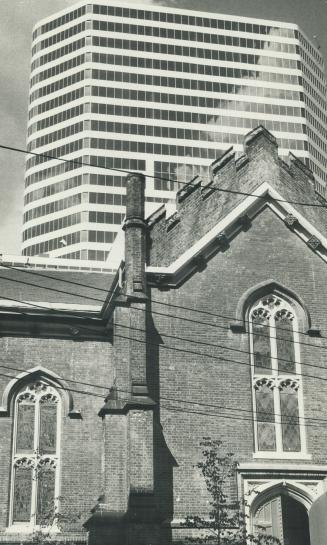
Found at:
<point>135,235</point>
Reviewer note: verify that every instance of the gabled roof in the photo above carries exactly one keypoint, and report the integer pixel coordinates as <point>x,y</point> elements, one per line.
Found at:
<point>210,214</point>
<point>237,220</point>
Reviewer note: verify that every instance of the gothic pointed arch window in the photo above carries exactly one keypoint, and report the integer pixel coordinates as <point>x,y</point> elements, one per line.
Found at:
<point>35,458</point>
<point>276,377</point>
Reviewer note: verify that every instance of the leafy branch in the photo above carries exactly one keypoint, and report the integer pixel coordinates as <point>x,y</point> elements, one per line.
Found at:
<point>226,523</point>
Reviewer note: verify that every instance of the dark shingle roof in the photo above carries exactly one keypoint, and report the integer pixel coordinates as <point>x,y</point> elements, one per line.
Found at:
<point>51,286</point>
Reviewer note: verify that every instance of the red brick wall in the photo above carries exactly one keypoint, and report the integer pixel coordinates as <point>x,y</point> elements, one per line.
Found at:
<point>81,439</point>
<point>269,250</point>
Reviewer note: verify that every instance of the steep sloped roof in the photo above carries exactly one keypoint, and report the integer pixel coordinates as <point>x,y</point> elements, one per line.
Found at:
<point>209,214</point>
<point>58,288</point>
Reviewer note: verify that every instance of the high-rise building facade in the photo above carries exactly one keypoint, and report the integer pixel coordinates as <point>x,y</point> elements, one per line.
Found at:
<point>157,90</point>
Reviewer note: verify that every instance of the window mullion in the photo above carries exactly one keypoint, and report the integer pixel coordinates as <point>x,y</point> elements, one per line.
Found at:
<point>37,455</point>
<point>13,467</point>
<point>254,406</point>
<point>300,390</point>
<point>57,456</point>
<point>274,366</point>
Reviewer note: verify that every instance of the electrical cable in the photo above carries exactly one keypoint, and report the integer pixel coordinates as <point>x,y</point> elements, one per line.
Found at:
<point>219,326</point>
<point>96,288</point>
<point>210,356</point>
<point>81,163</point>
<point>293,420</point>
<point>222,346</point>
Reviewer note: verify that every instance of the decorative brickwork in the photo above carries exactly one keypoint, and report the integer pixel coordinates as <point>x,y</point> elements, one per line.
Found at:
<point>164,360</point>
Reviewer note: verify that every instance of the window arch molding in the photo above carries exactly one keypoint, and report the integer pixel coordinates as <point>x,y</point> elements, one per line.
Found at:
<point>32,375</point>
<point>277,386</point>
<point>268,511</point>
<point>265,492</point>
<point>35,459</point>
<point>270,287</point>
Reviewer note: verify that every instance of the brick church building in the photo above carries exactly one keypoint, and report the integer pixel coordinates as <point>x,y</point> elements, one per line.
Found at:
<point>214,325</point>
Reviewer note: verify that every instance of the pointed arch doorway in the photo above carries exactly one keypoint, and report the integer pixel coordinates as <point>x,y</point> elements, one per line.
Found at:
<point>283,517</point>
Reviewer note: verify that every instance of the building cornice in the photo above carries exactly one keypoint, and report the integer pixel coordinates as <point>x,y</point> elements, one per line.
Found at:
<point>217,239</point>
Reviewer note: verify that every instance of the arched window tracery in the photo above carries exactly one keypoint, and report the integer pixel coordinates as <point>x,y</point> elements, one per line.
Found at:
<point>35,459</point>
<point>276,376</point>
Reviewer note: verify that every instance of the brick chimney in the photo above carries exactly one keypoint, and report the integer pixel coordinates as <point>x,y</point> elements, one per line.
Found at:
<point>135,235</point>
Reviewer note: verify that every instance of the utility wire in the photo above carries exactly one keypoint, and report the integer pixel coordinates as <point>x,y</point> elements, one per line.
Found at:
<point>219,326</point>
<point>210,356</point>
<point>82,163</point>
<point>108,291</point>
<point>221,346</point>
<point>284,418</point>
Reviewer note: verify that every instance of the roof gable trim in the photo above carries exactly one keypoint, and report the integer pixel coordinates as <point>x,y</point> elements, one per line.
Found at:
<point>233,223</point>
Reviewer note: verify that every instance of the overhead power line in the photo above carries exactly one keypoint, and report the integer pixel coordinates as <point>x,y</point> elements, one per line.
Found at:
<point>108,291</point>
<point>222,346</point>
<point>82,163</point>
<point>83,296</point>
<point>178,349</point>
<point>203,343</point>
<point>296,421</point>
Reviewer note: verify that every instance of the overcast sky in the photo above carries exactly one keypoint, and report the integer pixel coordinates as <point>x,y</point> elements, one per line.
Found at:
<point>17,18</point>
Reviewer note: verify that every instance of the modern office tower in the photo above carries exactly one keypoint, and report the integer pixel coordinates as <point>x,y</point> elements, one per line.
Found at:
<point>158,90</point>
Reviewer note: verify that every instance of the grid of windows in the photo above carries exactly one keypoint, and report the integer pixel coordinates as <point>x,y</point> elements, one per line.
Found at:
<point>56,135</point>
<point>168,174</point>
<point>51,207</point>
<point>49,226</point>
<point>71,16</point>
<point>198,118</point>
<point>56,170</point>
<point>107,198</point>
<point>315,96</point>
<point>57,118</point>
<point>186,35</point>
<point>195,52</point>
<point>246,87</point>
<point>57,69</point>
<point>93,160</point>
<point>71,255</point>
<point>57,152</point>
<point>312,63</point>
<point>184,134</point>
<point>196,101</point>
<point>315,138</point>
<point>57,86</point>
<point>106,237</point>
<point>198,82</point>
<point>315,110</point>
<point>52,189</point>
<point>55,102</point>
<point>53,55</point>
<point>314,52</point>
<point>221,24</point>
<point>194,68</point>
<point>63,35</point>
<point>106,217</point>
<point>97,255</point>
<point>109,181</point>
<point>52,244</point>
<point>317,83</point>
<point>315,153</point>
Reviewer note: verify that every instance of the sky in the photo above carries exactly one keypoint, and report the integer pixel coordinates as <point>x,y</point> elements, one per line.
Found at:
<point>17,18</point>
